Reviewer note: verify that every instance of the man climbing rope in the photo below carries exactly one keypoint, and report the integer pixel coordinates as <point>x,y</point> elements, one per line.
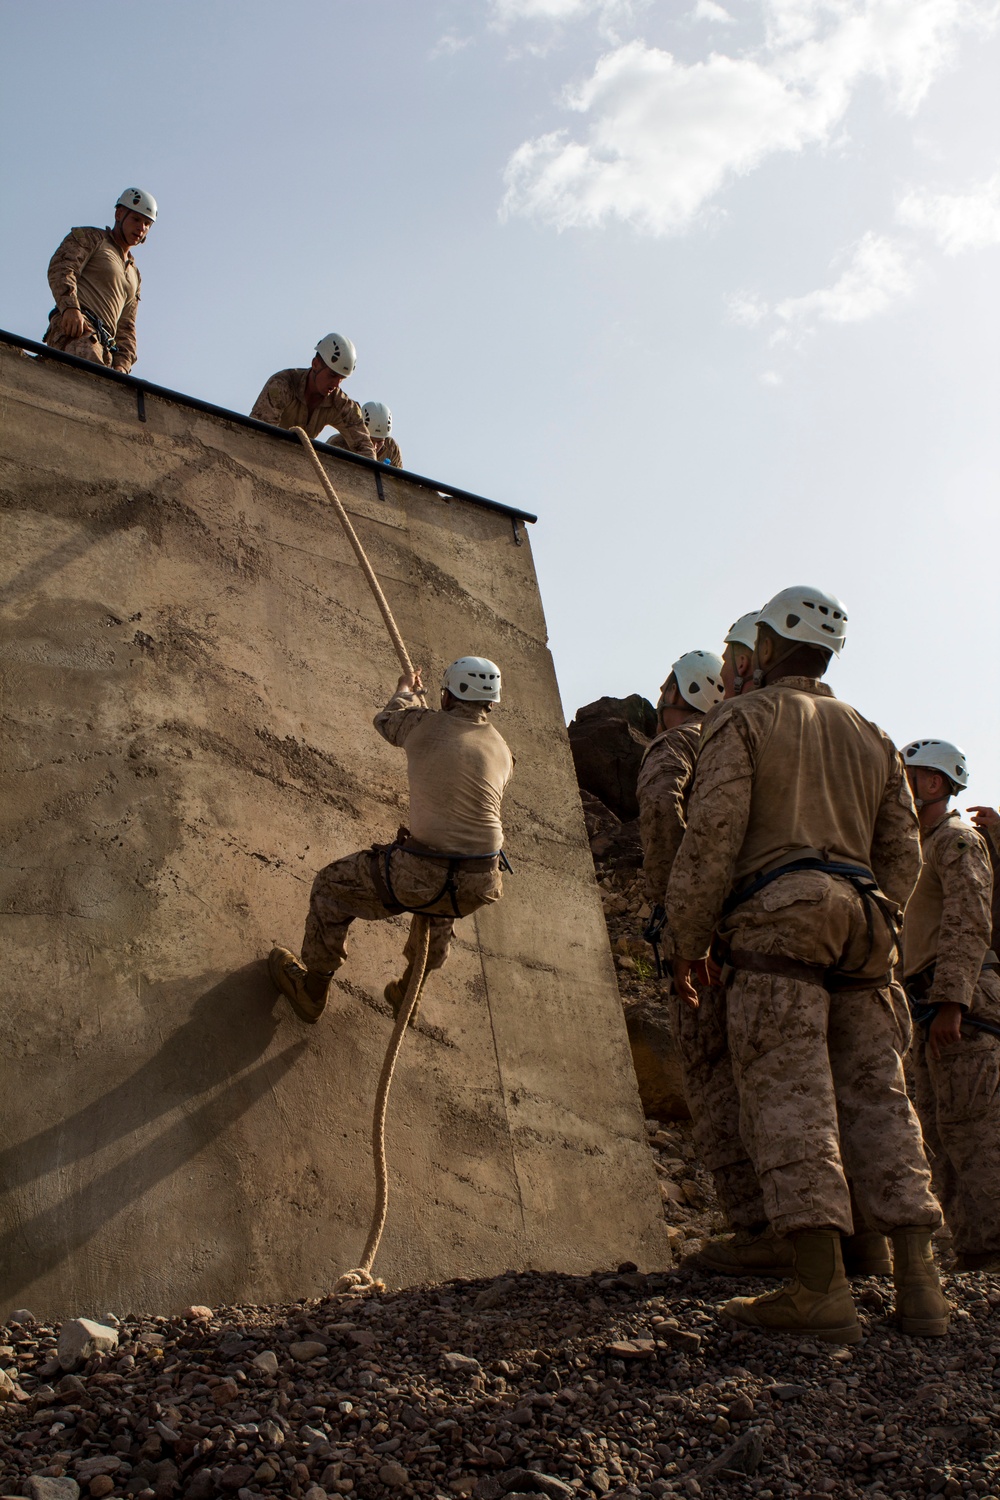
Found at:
<point>954,991</point>
<point>801,850</point>
<point>95,282</point>
<point>446,867</point>
<point>312,398</point>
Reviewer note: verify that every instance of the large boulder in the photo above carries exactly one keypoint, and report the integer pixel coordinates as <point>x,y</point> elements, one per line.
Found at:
<point>608,740</point>
<point>656,1058</point>
<point>612,842</point>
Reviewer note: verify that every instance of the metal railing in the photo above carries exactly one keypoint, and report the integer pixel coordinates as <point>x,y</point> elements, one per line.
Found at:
<point>144,388</point>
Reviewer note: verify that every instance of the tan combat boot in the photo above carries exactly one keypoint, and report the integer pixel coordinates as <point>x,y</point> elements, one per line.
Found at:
<point>866,1254</point>
<point>289,976</point>
<point>395,993</point>
<point>817,1300</point>
<point>748,1252</point>
<point>921,1306</point>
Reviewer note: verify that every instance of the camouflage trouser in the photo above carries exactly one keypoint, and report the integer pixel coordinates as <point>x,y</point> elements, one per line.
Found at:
<point>348,889</point>
<point>958,1101</point>
<point>87,347</point>
<point>710,1090</point>
<point>820,1075</point>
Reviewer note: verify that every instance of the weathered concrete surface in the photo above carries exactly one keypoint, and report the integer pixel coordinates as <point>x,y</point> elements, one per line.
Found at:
<point>192,663</point>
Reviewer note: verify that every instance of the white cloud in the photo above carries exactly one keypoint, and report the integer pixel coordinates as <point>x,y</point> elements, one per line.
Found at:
<point>662,138</point>
<point>957,221</point>
<point>448,45</point>
<point>745,309</point>
<point>708,10</point>
<point>505,12</point>
<point>874,274</point>
<point>878,274</point>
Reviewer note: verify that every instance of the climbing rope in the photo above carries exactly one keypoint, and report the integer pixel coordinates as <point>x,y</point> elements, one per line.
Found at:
<point>361,1276</point>
<point>352,537</point>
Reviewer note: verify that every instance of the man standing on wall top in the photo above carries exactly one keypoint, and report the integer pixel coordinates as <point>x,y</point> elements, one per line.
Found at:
<point>95,282</point>
<point>801,849</point>
<point>458,767</point>
<point>312,398</point>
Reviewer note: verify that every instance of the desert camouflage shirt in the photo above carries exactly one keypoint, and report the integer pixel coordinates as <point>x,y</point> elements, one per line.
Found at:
<point>788,767</point>
<point>947,920</point>
<point>386,449</point>
<point>91,272</point>
<point>664,781</point>
<point>283,402</point>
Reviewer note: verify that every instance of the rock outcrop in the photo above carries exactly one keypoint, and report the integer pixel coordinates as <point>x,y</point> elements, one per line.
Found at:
<point>608,740</point>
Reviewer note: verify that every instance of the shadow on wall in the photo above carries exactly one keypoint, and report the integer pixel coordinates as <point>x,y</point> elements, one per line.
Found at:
<point>99,511</point>
<point>230,1027</point>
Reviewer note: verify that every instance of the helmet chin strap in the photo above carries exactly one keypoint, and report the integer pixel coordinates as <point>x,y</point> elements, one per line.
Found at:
<point>761,674</point>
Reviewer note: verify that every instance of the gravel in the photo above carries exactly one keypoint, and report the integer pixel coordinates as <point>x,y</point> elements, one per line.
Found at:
<point>614,1384</point>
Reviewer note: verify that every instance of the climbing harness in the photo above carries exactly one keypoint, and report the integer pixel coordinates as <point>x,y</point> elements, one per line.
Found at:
<point>833,978</point>
<point>918,987</point>
<point>652,932</point>
<point>104,335</point>
<point>381,856</point>
<point>361,1275</point>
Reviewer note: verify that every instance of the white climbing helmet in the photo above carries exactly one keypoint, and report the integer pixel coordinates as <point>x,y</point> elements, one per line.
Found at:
<point>139,202</point>
<point>473,679</point>
<point>808,615</point>
<point>938,755</point>
<point>378,418</point>
<point>699,679</point>
<point>743,632</point>
<point>338,353</point>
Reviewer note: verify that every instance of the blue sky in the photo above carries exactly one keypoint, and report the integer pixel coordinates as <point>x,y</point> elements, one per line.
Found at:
<point>712,287</point>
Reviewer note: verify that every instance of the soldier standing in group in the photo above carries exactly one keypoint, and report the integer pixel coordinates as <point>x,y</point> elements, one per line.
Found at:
<point>312,398</point>
<point>987,822</point>
<point>693,688</point>
<point>447,867</point>
<point>954,990</point>
<point>801,849</point>
<point>95,282</point>
<point>737,657</point>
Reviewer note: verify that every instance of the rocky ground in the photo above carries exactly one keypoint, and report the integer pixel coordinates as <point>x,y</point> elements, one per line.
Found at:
<point>613,1384</point>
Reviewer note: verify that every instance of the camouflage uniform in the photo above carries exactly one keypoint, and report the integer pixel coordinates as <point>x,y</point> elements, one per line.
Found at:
<point>91,272</point>
<point>283,402</point>
<point>386,449</point>
<point>947,926</point>
<point>665,778</point>
<point>459,767</point>
<point>818,1068</point>
<point>387,452</point>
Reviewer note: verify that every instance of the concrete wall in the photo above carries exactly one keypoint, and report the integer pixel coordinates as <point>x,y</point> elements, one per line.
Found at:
<point>192,662</point>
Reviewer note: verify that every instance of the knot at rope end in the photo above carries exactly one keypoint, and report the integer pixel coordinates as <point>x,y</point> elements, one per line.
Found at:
<point>358,1280</point>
